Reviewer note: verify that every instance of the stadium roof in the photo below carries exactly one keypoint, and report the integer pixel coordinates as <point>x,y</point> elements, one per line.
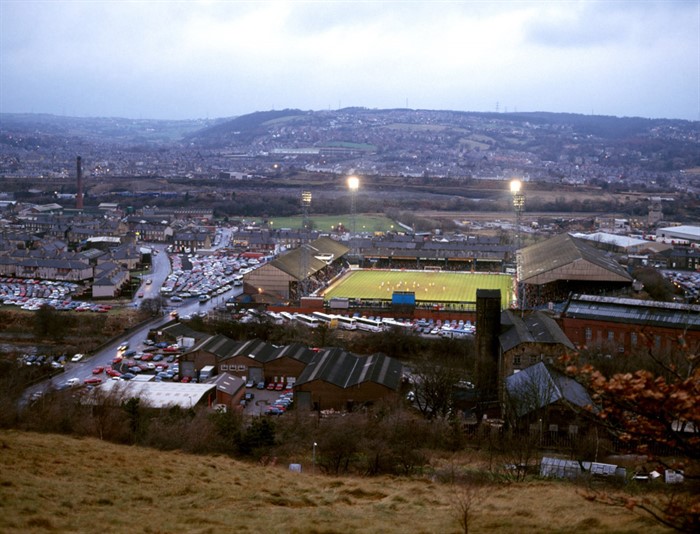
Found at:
<point>564,257</point>
<point>322,247</point>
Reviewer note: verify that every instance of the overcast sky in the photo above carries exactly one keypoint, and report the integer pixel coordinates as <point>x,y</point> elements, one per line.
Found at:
<point>197,59</point>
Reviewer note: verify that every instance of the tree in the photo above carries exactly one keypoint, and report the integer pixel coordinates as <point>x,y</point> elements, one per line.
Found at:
<point>434,380</point>
<point>152,306</point>
<point>656,414</point>
<point>47,322</point>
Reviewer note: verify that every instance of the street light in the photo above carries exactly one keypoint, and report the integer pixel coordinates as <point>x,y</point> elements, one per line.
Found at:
<point>313,459</point>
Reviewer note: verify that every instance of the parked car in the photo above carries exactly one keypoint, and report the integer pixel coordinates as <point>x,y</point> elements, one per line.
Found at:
<point>72,382</point>
<point>98,370</point>
<point>249,396</point>
<point>77,357</point>
<point>273,410</point>
<point>261,385</point>
<point>93,381</point>
<point>250,383</point>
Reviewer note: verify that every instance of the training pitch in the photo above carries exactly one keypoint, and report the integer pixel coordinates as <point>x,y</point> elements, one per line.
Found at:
<point>429,286</point>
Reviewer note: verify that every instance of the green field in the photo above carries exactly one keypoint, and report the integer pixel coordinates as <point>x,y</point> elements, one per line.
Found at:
<point>328,223</point>
<point>440,286</point>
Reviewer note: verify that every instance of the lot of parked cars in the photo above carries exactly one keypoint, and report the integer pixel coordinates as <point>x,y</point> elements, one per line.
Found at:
<point>195,276</point>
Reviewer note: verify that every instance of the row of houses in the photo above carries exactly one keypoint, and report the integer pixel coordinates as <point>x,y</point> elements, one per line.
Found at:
<point>105,270</point>
<point>326,379</point>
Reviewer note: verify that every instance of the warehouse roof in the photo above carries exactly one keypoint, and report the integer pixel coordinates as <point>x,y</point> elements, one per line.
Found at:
<point>642,312</point>
<point>153,394</point>
<point>345,370</point>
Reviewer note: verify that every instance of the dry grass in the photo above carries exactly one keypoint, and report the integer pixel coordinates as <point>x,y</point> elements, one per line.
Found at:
<point>63,484</point>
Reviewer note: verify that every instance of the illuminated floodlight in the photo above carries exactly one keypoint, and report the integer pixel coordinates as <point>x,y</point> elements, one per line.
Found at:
<point>353,183</point>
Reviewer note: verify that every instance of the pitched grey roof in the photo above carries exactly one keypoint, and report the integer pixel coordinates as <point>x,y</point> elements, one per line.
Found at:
<point>553,254</point>
<point>291,262</point>
<point>538,386</point>
<point>227,383</point>
<point>632,311</point>
<point>345,370</point>
<point>537,327</point>
<point>296,351</point>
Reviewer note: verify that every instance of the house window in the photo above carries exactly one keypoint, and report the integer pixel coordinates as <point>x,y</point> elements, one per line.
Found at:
<point>533,359</point>
<point>224,367</point>
<point>242,367</point>
<point>657,341</point>
<point>573,430</point>
<point>516,360</point>
<point>611,335</point>
<point>633,339</point>
<point>554,428</point>
<point>589,334</point>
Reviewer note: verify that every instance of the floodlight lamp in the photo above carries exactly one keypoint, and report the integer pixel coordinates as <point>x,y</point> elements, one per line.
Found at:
<point>515,186</point>
<point>353,183</point>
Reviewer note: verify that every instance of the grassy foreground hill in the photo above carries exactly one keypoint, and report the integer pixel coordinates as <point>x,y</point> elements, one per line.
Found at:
<point>66,484</point>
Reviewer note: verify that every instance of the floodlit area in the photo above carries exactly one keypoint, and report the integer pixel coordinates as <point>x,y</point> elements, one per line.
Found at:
<point>428,286</point>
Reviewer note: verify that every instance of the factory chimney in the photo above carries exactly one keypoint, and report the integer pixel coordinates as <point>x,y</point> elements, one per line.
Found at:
<point>79,176</point>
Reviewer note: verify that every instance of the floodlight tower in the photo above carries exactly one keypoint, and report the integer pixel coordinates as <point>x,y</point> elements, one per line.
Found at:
<point>516,187</point>
<point>353,185</point>
<point>518,204</point>
<point>303,248</point>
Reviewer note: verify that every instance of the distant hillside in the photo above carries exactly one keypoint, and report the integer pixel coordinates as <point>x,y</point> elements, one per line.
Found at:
<point>68,484</point>
<point>245,127</point>
<point>18,126</point>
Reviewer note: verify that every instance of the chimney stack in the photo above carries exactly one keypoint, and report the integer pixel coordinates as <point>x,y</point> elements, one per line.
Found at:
<point>488,328</point>
<point>79,175</point>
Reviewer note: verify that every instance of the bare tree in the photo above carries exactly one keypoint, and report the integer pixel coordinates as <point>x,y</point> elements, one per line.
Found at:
<point>467,498</point>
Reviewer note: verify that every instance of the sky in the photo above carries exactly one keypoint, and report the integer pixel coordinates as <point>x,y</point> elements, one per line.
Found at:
<point>211,59</point>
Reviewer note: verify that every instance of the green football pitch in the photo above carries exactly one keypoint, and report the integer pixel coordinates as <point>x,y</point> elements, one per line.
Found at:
<point>429,286</point>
